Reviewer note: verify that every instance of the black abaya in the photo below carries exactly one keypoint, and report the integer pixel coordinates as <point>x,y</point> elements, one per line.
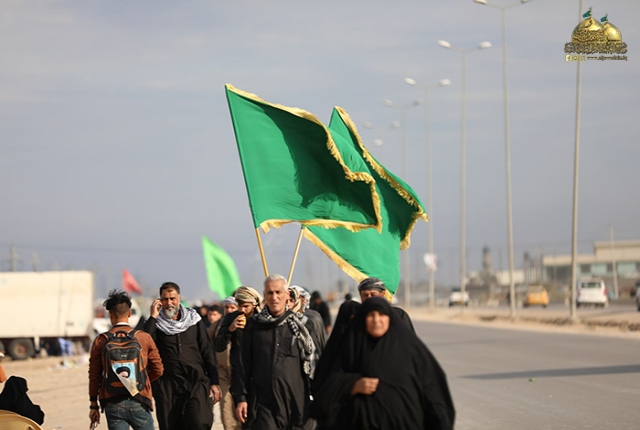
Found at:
<point>412,390</point>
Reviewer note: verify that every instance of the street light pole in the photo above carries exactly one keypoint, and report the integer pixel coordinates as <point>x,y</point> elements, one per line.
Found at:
<point>442,83</point>
<point>463,144</point>
<point>576,156</point>
<point>507,149</point>
<point>407,254</point>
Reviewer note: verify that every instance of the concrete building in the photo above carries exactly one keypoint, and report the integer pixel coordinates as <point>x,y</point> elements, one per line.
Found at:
<point>624,254</point>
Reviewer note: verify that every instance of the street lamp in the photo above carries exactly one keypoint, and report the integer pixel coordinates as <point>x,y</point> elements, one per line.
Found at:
<point>379,141</point>
<point>442,83</point>
<point>463,143</point>
<point>407,265</point>
<point>576,157</point>
<point>507,146</point>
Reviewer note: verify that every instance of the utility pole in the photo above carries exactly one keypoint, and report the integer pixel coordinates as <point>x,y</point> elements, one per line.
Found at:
<point>14,258</point>
<point>34,257</point>
<point>614,263</point>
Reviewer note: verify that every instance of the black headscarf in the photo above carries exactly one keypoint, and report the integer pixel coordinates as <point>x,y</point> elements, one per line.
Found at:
<point>412,391</point>
<point>14,398</point>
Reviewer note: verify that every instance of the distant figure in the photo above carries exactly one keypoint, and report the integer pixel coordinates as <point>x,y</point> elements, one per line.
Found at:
<point>230,304</point>
<point>214,313</point>
<point>348,297</point>
<point>14,398</point>
<point>318,305</point>
<point>315,324</point>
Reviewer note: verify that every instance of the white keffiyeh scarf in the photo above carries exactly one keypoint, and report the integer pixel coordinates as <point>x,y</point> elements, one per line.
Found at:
<point>188,318</point>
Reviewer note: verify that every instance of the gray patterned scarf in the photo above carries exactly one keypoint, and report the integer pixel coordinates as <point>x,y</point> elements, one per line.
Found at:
<point>188,318</point>
<point>300,334</point>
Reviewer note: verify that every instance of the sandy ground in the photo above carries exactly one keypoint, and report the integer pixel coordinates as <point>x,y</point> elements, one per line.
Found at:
<point>62,391</point>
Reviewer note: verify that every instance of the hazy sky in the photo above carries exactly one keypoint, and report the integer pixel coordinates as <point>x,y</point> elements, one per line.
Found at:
<point>117,150</point>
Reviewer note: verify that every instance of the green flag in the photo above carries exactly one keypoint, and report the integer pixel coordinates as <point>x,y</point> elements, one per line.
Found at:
<point>605,18</point>
<point>369,253</point>
<point>221,270</point>
<point>587,14</point>
<point>296,169</point>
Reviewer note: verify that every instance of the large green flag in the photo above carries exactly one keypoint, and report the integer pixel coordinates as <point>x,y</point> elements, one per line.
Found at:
<point>221,270</point>
<point>369,253</point>
<point>296,169</point>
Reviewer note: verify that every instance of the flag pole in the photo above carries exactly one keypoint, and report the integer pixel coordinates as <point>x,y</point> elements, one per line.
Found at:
<point>295,254</point>
<point>264,260</point>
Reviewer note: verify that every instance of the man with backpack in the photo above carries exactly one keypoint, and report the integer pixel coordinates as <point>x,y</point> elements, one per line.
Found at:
<point>123,363</point>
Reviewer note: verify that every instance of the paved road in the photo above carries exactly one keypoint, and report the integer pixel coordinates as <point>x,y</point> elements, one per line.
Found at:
<point>581,381</point>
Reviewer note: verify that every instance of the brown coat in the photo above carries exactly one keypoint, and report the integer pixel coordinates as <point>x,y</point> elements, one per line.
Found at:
<point>149,355</point>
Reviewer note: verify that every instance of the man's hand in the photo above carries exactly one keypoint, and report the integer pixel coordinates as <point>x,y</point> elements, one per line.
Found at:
<point>241,412</point>
<point>215,392</point>
<point>366,386</point>
<point>94,416</point>
<point>154,310</point>
<point>239,322</point>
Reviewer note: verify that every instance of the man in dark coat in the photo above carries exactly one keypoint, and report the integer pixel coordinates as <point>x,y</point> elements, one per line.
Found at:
<point>277,356</point>
<point>183,393</point>
<point>320,306</point>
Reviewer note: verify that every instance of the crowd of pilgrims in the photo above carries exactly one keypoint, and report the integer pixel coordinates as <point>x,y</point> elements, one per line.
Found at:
<point>276,362</point>
<point>282,366</point>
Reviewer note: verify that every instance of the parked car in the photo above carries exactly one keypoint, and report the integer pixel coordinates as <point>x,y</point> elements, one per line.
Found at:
<point>536,295</point>
<point>457,298</point>
<point>592,292</point>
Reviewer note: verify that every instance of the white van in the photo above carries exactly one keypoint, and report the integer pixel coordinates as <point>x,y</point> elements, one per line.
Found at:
<point>592,292</point>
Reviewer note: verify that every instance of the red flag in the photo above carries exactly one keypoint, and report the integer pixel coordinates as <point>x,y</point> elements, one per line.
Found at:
<point>129,283</point>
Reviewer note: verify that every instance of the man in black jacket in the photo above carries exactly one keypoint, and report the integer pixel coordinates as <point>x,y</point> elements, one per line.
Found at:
<point>183,393</point>
<point>277,359</point>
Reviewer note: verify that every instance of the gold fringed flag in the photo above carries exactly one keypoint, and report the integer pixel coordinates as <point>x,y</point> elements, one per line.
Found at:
<point>369,253</point>
<point>297,170</point>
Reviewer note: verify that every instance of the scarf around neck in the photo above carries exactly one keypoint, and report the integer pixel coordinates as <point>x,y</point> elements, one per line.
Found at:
<point>188,318</point>
<point>300,334</point>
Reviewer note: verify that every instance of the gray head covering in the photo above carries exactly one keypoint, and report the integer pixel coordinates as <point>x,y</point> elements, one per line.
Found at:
<point>372,284</point>
<point>229,301</point>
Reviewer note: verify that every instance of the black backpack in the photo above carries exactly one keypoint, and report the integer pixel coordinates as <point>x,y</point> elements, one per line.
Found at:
<point>123,362</point>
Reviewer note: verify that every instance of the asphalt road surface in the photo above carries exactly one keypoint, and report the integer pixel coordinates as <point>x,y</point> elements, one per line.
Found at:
<point>512,379</point>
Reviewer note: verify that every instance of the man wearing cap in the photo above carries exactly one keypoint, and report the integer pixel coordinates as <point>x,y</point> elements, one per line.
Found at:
<point>227,344</point>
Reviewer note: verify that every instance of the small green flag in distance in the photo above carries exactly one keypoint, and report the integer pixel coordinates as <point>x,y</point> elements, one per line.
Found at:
<point>604,18</point>
<point>587,14</point>
<point>221,270</point>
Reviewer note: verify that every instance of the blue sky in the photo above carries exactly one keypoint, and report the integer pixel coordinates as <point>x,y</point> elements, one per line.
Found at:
<point>117,149</point>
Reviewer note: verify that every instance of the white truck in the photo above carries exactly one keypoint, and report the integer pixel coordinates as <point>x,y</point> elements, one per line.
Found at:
<point>42,307</point>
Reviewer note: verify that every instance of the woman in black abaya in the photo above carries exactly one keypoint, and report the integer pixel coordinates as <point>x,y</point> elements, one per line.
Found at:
<point>383,378</point>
